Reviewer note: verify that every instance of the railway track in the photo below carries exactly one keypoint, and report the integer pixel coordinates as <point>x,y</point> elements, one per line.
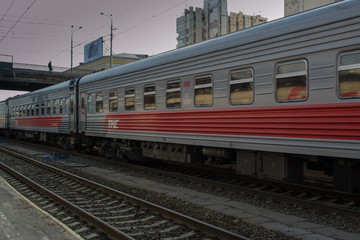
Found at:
<point>301,195</point>
<point>95,211</point>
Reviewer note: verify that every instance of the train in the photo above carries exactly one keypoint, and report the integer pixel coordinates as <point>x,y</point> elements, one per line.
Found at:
<point>275,101</point>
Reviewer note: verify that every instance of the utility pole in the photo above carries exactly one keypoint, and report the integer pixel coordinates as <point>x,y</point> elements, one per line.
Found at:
<point>111,36</point>
<point>72,35</point>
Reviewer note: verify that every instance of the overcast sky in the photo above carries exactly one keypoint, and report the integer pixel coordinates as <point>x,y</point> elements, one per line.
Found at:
<point>39,31</point>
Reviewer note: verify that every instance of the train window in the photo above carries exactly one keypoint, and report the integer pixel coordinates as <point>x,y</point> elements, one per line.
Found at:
<point>203,91</point>
<point>149,97</point>
<point>43,109</point>
<point>99,102</point>
<point>37,110</point>
<point>130,99</point>
<point>349,75</point>
<point>173,94</point>
<point>61,107</point>
<point>55,102</point>
<point>89,98</point>
<point>241,87</point>
<point>291,81</point>
<point>28,110</point>
<point>66,108</point>
<point>32,109</point>
<point>113,101</point>
<point>48,108</point>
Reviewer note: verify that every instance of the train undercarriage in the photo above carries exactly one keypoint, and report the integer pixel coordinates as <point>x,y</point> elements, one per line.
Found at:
<point>337,173</point>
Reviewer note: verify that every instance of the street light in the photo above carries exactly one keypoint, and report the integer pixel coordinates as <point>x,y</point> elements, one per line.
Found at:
<point>72,33</point>
<point>111,37</point>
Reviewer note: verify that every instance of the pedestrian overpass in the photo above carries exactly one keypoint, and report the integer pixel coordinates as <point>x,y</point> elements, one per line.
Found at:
<point>29,77</point>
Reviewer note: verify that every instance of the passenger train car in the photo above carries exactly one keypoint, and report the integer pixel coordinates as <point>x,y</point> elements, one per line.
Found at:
<point>3,116</point>
<point>278,99</point>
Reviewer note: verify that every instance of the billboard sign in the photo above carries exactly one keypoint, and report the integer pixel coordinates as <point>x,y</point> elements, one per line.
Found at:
<point>213,18</point>
<point>93,50</point>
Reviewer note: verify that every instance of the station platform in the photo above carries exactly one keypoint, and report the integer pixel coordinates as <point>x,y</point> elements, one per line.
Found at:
<point>21,220</point>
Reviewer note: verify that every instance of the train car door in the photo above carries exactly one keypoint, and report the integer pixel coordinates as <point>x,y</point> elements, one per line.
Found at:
<point>83,112</point>
<point>72,113</point>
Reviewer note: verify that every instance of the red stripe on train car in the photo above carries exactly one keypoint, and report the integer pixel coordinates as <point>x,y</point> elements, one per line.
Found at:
<point>325,121</point>
<point>49,122</point>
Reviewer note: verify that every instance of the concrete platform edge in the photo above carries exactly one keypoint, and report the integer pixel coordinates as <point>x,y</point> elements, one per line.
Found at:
<point>77,236</point>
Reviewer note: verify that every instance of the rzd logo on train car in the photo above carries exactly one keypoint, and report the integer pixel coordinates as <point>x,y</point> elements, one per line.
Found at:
<point>112,124</point>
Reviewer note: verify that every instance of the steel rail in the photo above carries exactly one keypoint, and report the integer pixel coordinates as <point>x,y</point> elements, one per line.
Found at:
<point>102,226</point>
<point>181,218</point>
<point>285,186</point>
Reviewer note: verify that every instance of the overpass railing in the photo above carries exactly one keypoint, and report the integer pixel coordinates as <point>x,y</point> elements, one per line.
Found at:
<point>6,62</point>
<point>38,67</point>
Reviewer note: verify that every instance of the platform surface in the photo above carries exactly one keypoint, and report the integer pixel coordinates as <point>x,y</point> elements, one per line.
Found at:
<point>19,220</point>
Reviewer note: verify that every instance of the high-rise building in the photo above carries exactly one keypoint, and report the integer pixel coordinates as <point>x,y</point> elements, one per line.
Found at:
<point>211,21</point>
<point>190,27</point>
<point>295,6</point>
<point>215,18</point>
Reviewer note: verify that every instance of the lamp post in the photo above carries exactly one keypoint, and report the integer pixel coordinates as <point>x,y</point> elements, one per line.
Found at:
<point>111,37</point>
<point>72,34</point>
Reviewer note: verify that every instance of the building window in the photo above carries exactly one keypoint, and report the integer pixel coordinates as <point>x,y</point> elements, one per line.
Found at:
<point>149,97</point>
<point>113,101</point>
<point>349,75</point>
<point>173,94</point>
<point>203,91</point>
<point>291,81</point>
<point>130,99</point>
<point>241,87</point>
<point>99,102</point>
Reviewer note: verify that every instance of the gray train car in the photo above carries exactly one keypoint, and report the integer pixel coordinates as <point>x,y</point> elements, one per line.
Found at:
<point>276,101</point>
<point>44,114</point>
<point>277,96</point>
<point>3,117</point>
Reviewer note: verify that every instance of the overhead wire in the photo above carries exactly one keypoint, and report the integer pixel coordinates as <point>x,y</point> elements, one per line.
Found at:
<point>152,17</point>
<point>91,36</point>
<point>17,21</point>
<point>39,23</point>
<point>7,11</point>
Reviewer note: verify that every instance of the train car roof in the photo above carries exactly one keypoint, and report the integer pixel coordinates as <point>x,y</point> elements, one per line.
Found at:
<point>44,90</point>
<point>313,18</point>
